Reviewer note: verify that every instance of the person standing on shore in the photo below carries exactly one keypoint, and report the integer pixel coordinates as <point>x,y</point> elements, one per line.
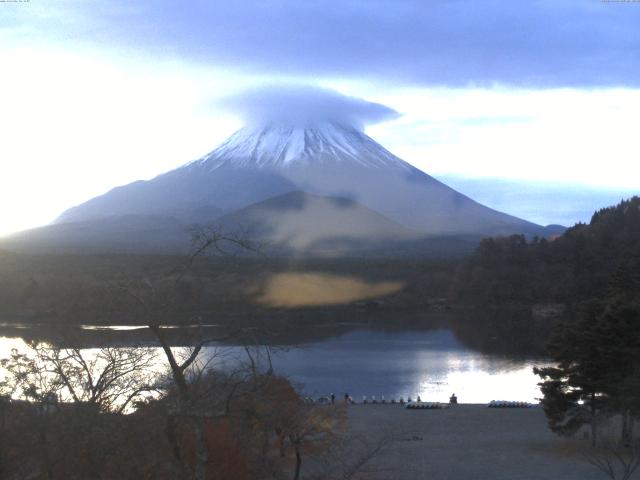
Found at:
<point>333,399</point>
<point>453,400</point>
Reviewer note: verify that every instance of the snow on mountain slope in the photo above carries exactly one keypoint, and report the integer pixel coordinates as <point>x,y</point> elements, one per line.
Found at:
<point>323,158</point>
<point>280,145</point>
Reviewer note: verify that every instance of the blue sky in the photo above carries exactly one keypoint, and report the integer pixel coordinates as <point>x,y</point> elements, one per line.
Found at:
<point>527,106</point>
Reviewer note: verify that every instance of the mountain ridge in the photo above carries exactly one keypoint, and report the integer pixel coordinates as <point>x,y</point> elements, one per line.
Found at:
<point>328,159</point>
<point>301,222</point>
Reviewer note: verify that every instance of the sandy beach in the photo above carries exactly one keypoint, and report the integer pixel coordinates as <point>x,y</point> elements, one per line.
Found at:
<point>469,442</point>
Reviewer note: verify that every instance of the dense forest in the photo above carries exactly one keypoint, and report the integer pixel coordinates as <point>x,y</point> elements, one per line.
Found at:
<point>513,292</point>
<point>577,266</point>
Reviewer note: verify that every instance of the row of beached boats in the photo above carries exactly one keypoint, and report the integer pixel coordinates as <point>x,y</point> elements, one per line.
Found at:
<point>492,404</point>
<point>418,404</point>
<point>426,405</point>
<point>508,404</point>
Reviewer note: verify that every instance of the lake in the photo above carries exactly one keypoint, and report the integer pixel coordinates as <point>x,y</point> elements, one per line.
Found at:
<point>430,363</point>
<point>364,362</point>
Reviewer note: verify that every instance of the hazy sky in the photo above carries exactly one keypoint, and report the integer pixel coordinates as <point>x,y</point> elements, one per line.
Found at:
<point>530,107</point>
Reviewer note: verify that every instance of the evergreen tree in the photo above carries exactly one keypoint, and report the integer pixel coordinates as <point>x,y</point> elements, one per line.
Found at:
<point>575,392</point>
<point>598,370</point>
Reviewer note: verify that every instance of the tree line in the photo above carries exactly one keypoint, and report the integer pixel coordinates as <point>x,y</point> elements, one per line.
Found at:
<point>573,268</point>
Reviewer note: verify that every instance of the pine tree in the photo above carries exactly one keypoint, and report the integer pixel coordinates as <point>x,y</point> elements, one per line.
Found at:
<point>598,370</point>
<point>577,391</point>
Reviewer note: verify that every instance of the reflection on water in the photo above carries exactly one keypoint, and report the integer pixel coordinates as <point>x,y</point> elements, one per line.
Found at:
<point>429,363</point>
<point>432,364</point>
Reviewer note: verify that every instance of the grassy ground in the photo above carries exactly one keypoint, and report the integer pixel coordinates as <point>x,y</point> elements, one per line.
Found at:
<point>469,442</point>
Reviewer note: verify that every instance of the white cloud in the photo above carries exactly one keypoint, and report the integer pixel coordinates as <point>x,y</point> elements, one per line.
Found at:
<point>564,135</point>
<point>303,104</point>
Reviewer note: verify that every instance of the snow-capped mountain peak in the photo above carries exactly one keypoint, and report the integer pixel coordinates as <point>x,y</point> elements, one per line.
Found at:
<point>280,145</point>
<point>317,157</point>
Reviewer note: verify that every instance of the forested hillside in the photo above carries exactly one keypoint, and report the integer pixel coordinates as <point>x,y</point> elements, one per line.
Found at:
<point>579,265</point>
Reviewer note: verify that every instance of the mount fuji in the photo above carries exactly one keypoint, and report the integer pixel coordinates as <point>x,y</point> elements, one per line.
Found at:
<point>303,186</point>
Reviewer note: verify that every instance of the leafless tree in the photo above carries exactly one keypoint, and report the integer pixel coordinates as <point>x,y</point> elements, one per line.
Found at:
<point>187,371</point>
<point>111,379</point>
<point>351,456</point>
<point>73,403</point>
<point>200,394</point>
<point>309,427</point>
<point>617,460</point>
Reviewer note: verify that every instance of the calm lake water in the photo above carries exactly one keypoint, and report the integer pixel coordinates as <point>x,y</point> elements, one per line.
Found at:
<point>432,364</point>
<point>429,363</point>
